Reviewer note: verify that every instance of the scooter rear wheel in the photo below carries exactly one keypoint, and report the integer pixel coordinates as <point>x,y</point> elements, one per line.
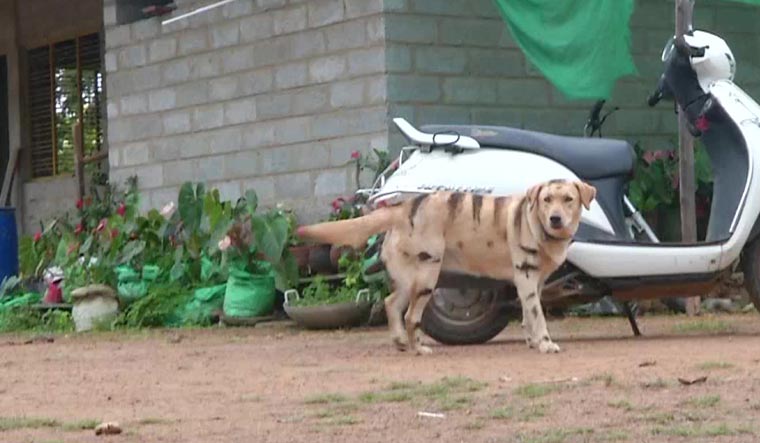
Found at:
<point>464,316</point>
<point>751,267</point>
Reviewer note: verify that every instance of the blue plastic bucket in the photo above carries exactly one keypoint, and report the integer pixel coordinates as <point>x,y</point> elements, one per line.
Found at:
<point>8,243</point>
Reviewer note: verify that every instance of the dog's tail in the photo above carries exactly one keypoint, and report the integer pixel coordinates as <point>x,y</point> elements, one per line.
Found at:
<point>352,232</point>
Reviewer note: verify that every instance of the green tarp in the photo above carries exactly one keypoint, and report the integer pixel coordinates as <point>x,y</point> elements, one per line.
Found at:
<point>581,46</point>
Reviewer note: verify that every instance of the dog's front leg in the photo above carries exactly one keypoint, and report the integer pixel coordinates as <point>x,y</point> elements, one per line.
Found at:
<point>533,316</point>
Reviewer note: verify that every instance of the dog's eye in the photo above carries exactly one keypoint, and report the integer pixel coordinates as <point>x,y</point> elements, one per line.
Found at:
<point>548,199</point>
<point>568,199</point>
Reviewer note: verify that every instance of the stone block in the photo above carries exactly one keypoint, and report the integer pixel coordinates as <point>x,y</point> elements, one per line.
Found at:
<point>256,27</point>
<point>496,62</point>
<point>236,59</point>
<point>112,109</point>
<point>145,29</point>
<point>270,4</point>
<point>298,185</point>
<point>143,126</point>
<point>325,12</point>
<point>162,49</point>
<point>306,44</point>
<point>226,140</point>
<point>329,183</point>
<point>273,105</point>
<point>226,34</point>
<point>360,8</point>
<point>111,62</point>
<point>311,100</point>
<point>242,164</point>
<point>286,21</point>
<point>468,90</point>
<point>134,104</point>
<point>223,88</point>
<point>377,90</point>
<point>533,92</point>
<point>442,7</point>
<point>190,94</point>
<point>471,32</point>
<point>193,41</point>
<point>150,176</point>
<point>347,94</point>
<point>162,99</point>
<point>109,15</point>
<point>228,190</point>
<point>178,172</point>
<point>163,196</point>
<point>256,82</point>
<point>206,65</point>
<point>327,69</point>
<point>208,117</point>
<point>176,71</point>
<point>240,111</point>
<point>176,122</point>
<point>398,58</point>
<point>497,117</point>
<point>258,135</point>
<point>292,130</point>
<point>396,5</point>
<point>444,115</point>
<point>413,88</point>
<point>290,75</point>
<point>118,36</point>
<point>142,79</point>
<point>412,29</point>
<point>210,168</point>
<point>135,154</point>
<point>346,35</point>
<point>440,60</point>
<point>238,9</point>
<point>366,61</point>
<point>294,158</point>
<point>376,29</point>
<point>132,56</point>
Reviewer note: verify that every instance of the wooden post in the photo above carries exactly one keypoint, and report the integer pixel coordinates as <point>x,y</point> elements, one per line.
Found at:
<point>687,186</point>
<point>78,158</point>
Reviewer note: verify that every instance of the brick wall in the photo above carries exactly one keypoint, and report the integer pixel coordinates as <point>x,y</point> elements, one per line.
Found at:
<point>271,95</point>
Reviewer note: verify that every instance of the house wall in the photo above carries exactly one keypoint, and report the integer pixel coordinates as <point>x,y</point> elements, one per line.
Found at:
<point>271,95</point>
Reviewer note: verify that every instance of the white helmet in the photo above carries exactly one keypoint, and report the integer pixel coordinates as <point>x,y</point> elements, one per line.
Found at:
<point>711,57</point>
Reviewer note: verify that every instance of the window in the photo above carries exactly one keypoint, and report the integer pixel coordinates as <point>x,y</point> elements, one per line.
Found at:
<point>65,86</point>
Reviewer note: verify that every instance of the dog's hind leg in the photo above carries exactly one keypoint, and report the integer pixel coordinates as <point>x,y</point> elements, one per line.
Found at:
<point>533,316</point>
<point>426,278</point>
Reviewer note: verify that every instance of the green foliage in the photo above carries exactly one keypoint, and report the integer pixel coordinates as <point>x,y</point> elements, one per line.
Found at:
<point>158,308</point>
<point>27,319</point>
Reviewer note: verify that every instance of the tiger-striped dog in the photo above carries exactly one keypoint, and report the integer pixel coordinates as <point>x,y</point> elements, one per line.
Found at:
<point>518,238</point>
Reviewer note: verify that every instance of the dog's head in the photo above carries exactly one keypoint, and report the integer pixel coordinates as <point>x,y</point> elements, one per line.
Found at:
<point>558,204</point>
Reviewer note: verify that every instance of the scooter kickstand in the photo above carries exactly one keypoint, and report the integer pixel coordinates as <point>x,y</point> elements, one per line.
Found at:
<point>631,318</point>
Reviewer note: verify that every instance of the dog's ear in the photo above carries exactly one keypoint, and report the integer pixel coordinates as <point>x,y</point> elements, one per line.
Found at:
<point>586,192</point>
<point>533,194</point>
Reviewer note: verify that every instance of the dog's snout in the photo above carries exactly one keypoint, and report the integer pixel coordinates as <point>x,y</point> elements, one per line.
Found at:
<point>556,221</point>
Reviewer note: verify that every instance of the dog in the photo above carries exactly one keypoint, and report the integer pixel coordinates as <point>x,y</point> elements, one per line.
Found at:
<point>521,238</point>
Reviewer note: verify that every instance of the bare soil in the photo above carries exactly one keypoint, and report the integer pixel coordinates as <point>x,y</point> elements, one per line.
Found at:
<point>278,383</point>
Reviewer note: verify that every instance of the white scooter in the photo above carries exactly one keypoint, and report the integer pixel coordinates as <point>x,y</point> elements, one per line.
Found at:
<point>606,257</point>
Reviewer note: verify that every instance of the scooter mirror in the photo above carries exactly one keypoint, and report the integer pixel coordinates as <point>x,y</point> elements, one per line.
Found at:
<point>668,49</point>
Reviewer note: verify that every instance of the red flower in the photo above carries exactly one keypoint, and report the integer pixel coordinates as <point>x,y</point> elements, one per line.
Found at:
<point>122,209</point>
<point>337,203</point>
<point>80,204</point>
<point>114,233</point>
<point>37,237</point>
<point>88,201</point>
<point>79,229</point>
<point>355,155</point>
<point>101,225</point>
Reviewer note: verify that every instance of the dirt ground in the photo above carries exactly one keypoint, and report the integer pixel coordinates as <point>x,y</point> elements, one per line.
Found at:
<point>277,383</point>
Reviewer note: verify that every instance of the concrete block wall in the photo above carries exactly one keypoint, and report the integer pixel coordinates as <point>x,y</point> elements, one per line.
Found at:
<point>456,62</point>
<point>271,95</point>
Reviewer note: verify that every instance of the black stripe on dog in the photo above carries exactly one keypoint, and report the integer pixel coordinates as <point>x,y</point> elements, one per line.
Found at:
<point>526,267</point>
<point>415,207</point>
<point>498,208</point>
<point>519,216</point>
<point>531,295</point>
<point>454,202</point>
<point>424,256</point>
<point>545,338</point>
<point>477,206</point>
<point>534,311</point>
<point>426,291</point>
<point>528,250</point>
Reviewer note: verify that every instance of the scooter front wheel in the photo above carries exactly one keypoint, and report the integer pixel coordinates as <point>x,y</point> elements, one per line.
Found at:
<point>464,316</point>
<point>751,267</point>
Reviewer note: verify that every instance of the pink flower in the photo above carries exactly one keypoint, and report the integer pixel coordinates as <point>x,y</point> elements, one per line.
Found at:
<point>80,204</point>
<point>114,233</point>
<point>168,210</point>
<point>225,243</point>
<point>337,203</point>
<point>101,225</point>
<point>355,155</point>
<point>37,237</point>
<point>79,229</point>
<point>122,209</point>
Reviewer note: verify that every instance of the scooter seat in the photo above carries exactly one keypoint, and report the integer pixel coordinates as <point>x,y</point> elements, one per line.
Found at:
<point>589,158</point>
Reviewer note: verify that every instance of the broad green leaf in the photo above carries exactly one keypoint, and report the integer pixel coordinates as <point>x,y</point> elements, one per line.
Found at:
<point>191,205</point>
<point>251,201</point>
<point>271,234</point>
<point>131,250</point>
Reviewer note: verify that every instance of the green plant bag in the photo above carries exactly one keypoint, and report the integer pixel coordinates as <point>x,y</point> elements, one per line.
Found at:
<point>150,273</point>
<point>250,295</point>
<point>130,286</point>
<point>23,300</point>
<point>205,301</point>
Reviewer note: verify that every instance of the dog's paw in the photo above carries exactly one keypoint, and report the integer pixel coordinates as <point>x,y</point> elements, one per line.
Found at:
<point>548,347</point>
<point>400,343</point>
<point>423,350</point>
